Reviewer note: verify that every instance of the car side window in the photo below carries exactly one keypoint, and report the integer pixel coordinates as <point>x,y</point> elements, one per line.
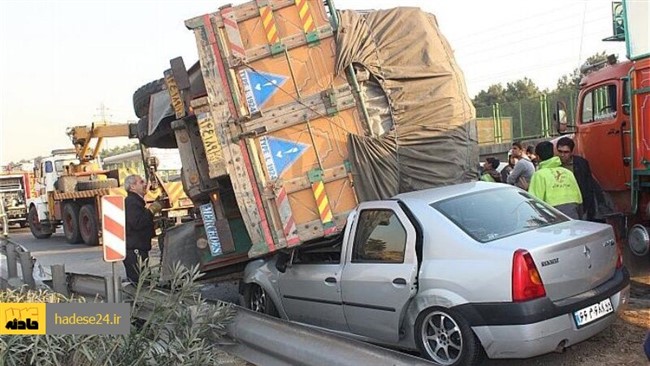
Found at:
<point>330,254</point>
<point>599,104</point>
<point>380,238</point>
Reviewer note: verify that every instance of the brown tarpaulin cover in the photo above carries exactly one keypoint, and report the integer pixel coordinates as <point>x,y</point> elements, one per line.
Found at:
<point>433,141</point>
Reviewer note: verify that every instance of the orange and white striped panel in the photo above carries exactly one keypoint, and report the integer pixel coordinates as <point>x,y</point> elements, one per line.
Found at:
<point>232,31</point>
<point>114,228</point>
<point>288,223</point>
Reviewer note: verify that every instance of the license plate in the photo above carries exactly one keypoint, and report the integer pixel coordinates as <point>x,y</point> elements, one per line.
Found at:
<point>210,226</point>
<point>593,312</point>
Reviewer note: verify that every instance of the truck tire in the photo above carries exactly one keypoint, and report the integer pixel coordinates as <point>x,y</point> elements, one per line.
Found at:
<point>35,226</point>
<point>96,184</point>
<point>70,218</point>
<point>88,226</point>
<point>142,96</point>
<point>66,184</point>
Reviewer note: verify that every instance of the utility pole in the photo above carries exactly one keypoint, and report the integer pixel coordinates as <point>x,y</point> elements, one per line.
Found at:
<point>103,114</point>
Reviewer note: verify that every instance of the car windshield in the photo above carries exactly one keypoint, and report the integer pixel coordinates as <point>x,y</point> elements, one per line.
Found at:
<point>497,213</point>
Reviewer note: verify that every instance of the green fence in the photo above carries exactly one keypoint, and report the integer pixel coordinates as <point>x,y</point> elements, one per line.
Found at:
<point>528,118</point>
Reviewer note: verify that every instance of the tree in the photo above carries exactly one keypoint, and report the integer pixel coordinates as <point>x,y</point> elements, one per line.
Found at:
<point>494,94</point>
<point>514,91</point>
<point>521,89</point>
<point>569,83</point>
<point>119,150</point>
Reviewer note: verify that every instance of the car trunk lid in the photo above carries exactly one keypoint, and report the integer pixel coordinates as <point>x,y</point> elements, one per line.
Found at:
<point>571,257</point>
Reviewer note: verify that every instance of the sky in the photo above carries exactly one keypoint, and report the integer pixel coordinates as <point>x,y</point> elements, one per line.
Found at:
<point>62,60</point>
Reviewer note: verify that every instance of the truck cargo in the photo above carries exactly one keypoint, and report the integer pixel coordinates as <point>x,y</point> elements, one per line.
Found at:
<point>611,131</point>
<point>297,112</point>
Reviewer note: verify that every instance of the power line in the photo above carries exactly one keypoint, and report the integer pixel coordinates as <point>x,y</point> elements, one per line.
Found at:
<point>509,26</point>
<point>521,40</point>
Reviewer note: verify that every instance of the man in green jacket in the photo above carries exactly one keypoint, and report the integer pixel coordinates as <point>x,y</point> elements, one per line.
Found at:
<point>554,184</point>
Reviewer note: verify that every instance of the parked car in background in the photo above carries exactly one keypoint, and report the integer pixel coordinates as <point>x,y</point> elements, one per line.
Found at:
<point>457,272</point>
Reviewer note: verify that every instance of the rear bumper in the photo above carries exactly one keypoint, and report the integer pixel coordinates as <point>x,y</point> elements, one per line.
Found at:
<point>527,329</point>
<point>529,340</point>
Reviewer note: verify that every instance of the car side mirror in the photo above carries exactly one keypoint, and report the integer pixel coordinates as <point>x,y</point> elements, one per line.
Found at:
<point>283,261</point>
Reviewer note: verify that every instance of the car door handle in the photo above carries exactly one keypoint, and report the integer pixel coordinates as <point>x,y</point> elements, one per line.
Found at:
<point>330,280</point>
<point>399,281</point>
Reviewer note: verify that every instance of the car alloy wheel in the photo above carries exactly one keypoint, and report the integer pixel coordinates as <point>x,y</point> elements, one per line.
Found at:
<point>259,301</point>
<point>444,337</point>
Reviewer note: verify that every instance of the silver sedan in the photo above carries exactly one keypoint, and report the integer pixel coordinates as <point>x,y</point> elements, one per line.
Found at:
<point>458,273</point>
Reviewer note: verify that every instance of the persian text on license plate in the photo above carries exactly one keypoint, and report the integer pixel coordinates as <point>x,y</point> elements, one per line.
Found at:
<point>591,313</point>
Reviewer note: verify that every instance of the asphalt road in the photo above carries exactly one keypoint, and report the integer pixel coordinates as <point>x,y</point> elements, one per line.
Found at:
<point>83,259</point>
<point>77,258</point>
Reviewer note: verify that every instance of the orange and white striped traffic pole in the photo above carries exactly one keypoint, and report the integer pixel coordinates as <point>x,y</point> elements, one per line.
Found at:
<point>114,235</point>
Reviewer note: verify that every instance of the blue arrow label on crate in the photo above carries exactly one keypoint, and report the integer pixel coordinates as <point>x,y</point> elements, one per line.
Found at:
<point>280,154</point>
<point>263,85</point>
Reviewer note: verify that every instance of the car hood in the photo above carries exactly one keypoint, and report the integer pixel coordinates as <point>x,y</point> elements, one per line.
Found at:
<point>572,257</point>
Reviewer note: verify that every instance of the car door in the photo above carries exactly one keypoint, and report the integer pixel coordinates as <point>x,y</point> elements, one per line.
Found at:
<point>310,287</point>
<point>601,135</point>
<point>379,276</point>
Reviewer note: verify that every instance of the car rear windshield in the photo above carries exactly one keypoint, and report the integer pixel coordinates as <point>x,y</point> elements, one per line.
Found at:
<point>497,213</point>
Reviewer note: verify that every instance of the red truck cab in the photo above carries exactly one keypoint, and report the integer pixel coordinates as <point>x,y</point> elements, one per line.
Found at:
<point>612,131</point>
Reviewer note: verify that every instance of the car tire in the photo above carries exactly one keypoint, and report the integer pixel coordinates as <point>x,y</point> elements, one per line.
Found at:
<point>88,226</point>
<point>88,185</point>
<point>444,337</point>
<point>258,300</point>
<point>142,96</point>
<point>35,226</point>
<point>70,220</point>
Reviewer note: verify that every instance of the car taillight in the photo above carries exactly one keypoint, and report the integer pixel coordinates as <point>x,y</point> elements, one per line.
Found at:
<point>526,281</point>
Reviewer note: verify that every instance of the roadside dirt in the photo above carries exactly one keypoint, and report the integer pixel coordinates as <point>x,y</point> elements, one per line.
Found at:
<point>621,344</point>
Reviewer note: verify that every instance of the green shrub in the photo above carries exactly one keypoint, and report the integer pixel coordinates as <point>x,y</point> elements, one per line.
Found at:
<point>177,328</point>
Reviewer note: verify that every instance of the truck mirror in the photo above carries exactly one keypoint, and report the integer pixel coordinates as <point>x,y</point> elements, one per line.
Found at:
<point>561,118</point>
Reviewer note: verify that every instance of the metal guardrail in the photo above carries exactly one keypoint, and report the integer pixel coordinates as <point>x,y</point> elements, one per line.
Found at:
<point>268,341</point>
<point>15,254</point>
<point>256,338</point>
<point>264,340</point>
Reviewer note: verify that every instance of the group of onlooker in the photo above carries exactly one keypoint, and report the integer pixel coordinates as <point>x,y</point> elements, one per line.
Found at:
<point>562,180</point>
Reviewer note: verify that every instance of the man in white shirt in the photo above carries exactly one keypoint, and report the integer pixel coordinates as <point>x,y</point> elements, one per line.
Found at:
<point>524,168</point>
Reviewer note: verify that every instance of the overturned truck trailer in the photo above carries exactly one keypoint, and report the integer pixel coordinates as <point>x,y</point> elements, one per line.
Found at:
<point>297,112</point>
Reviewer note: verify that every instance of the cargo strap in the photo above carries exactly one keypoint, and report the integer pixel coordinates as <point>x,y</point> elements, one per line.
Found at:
<point>308,25</point>
<point>322,201</point>
<point>270,27</point>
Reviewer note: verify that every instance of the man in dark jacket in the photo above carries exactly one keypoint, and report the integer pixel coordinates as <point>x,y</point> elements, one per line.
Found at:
<point>589,188</point>
<point>139,225</point>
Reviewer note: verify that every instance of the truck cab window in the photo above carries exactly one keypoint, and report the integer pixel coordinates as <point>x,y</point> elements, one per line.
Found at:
<point>380,238</point>
<point>49,168</point>
<point>599,104</point>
